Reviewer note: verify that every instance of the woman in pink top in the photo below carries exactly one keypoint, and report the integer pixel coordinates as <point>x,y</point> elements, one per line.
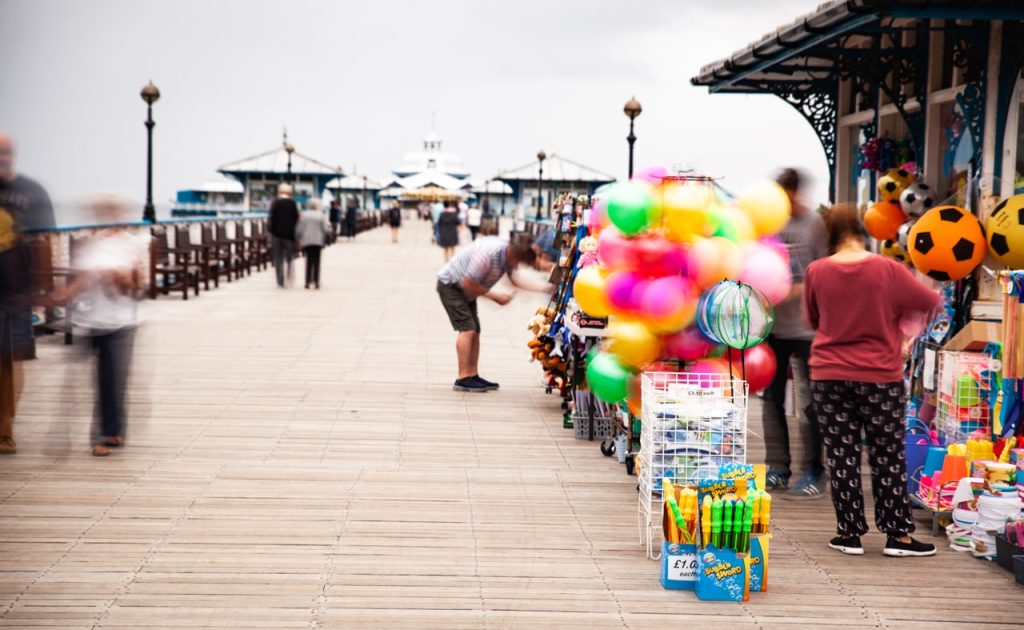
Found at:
<point>855,300</point>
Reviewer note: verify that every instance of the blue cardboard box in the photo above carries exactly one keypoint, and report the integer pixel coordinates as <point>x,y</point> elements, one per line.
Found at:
<point>678,566</point>
<point>759,562</point>
<point>722,575</point>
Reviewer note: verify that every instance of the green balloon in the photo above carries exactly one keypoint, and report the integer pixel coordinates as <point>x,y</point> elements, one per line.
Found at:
<point>723,226</point>
<point>607,377</point>
<point>631,207</point>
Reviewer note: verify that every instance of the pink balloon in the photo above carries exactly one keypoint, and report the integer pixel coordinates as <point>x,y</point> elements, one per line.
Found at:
<point>598,215</point>
<point>651,174</point>
<point>657,256</point>
<point>766,270</point>
<point>622,289</point>
<point>615,250</point>
<point>687,344</point>
<point>666,298</point>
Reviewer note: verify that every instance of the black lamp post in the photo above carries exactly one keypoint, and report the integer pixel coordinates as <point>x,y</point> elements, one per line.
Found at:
<point>150,94</point>
<point>541,156</point>
<point>289,149</point>
<point>364,192</point>
<point>632,110</point>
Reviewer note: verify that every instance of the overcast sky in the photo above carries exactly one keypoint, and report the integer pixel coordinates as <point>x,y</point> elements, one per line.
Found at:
<point>356,82</point>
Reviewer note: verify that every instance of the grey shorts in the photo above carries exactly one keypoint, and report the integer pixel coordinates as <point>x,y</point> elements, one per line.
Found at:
<point>461,310</point>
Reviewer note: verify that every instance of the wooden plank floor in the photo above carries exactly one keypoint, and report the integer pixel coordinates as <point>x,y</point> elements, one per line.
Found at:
<point>297,459</point>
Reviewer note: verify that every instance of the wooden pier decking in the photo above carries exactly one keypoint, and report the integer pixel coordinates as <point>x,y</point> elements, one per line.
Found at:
<point>297,459</point>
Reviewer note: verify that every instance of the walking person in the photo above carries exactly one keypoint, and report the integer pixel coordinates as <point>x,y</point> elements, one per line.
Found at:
<point>351,213</point>
<point>284,214</point>
<point>805,239</point>
<point>465,278</point>
<point>311,235</point>
<point>335,216</point>
<point>855,300</point>
<point>24,205</point>
<point>395,219</point>
<point>474,215</point>
<point>436,209</point>
<point>107,287</point>
<point>448,231</point>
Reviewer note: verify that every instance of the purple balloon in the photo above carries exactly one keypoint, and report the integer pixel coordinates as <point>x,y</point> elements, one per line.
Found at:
<point>621,287</point>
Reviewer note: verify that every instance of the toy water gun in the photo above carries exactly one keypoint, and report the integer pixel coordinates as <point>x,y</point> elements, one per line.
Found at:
<point>766,511</point>
<point>727,521</point>
<point>748,525</point>
<point>689,513</point>
<point>716,523</point>
<point>737,525</point>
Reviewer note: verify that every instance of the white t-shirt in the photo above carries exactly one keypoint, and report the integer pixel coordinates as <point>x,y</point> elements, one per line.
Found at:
<point>473,216</point>
<point>100,305</point>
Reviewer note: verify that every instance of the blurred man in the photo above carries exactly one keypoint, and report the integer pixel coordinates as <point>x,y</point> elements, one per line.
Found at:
<point>351,215</point>
<point>335,216</point>
<point>24,205</point>
<point>284,214</point>
<point>471,274</point>
<point>804,236</point>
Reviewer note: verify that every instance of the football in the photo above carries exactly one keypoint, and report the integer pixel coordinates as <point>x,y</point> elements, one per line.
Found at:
<point>917,199</point>
<point>1005,228</point>
<point>892,249</point>
<point>892,184</point>
<point>946,243</point>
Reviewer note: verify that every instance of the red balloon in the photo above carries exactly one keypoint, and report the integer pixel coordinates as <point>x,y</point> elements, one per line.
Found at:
<point>760,365</point>
<point>687,344</point>
<point>656,256</point>
<point>615,250</point>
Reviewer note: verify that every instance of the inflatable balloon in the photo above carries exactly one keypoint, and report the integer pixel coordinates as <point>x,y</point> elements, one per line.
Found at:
<point>684,211</point>
<point>883,220</point>
<point>735,314</point>
<point>755,365</point>
<point>686,345</point>
<point>714,371</point>
<point>607,377</point>
<point>947,243</point>
<point>656,256</point>
<point>1005,229</point>
<point>614,250</point>
<point>590,291</point>
<point>668,304</point>
<point>630,207</point>
<point>731,223</point>
<point>598,215</point>
<point>633,343</point>
<point>652,175</point>
<point>621,289</point>
<point>767,271</point>
<point>767,206</point>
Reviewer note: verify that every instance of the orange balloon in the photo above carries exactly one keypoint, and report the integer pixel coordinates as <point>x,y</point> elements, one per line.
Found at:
<point>883,220</point>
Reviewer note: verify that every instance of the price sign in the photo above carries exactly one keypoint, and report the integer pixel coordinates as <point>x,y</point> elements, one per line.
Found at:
<point>683,567</point>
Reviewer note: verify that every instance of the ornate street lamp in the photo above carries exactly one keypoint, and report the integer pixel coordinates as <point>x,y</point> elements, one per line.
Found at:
<point>150,94</point>
<point>289,149</point>
<point>632,109</point>
<point>541,156</point>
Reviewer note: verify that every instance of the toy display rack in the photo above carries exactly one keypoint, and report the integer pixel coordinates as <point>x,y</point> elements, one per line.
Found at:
<point>691,425</point>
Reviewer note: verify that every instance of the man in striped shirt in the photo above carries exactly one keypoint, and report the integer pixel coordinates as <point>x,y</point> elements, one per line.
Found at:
<point>469,275</point>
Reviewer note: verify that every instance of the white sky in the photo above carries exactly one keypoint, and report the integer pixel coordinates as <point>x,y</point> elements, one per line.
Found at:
<point>356,82</point>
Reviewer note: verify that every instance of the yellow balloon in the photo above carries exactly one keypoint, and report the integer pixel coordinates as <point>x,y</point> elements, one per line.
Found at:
<point>589,291</point>
<point>767,206</point>
<point>684,211</point>
<point>741,223</point>
<point>633,343</point>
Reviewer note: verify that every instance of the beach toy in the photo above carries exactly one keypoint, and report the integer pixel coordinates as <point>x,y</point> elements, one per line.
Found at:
<point>916,199</point>
<point>668,304</point>
<point>1005,232</point>
<point>631,207</point>
<point>624,289</point>
<point>767,205</point>
<point>712,260</point>
<point>883,220</point>
<point>656,256</point>
<point>590,291</point>
<point>954,468</point>
<point>633,343</point>
<point>755,365</point>
<point>686,345</point>
<point>607,377</point>
<point>947,243</point>
<point>933,461</point>
<point>765,269</point>
<point>735,314</point>
<point>685,211</point>
<point>614,250</point>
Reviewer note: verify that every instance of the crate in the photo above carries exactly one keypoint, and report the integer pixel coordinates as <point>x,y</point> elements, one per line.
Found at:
<point>962,409</point>
<point>603,427</point>
<point>1005,551</point>
<point>691,425</point>
<point>1018,569</point>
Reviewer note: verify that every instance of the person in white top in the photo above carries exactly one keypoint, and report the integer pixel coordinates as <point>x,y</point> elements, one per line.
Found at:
<point>107,285</point>
<point>474,215</point>
<point>311,234</point>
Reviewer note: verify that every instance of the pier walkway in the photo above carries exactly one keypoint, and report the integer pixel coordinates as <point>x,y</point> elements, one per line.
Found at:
<point>298,459</point>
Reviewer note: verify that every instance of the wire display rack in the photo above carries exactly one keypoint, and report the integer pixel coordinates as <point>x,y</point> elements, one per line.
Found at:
<point>691,425</point>
<point>962,408</point>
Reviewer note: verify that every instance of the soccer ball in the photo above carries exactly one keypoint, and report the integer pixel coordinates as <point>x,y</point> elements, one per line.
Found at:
<point>947,243</point>
<point>917,199</point>
<point>1005,230</point>
<point>903,234</point>
<point>892,249</point>
<point>892,184</point>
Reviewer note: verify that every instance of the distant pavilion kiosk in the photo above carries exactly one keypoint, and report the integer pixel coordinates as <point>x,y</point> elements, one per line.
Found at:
<point>360,187</point>
<point>560,176</point>
<point>427,169</point>
<point>261,174</point>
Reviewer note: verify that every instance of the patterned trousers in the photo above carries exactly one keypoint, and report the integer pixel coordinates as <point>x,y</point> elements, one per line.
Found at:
<point>848,411</point>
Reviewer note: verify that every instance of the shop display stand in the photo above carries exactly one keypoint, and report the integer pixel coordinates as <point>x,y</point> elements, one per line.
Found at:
<point>691,425</point>
<point>961,408</point>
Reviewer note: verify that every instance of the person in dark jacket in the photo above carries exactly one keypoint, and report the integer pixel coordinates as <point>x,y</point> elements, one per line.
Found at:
<point>395,220</point>
<point>284,214</point>
<point>448,231</point>
<point>350,217</point>
<point>335,216</point>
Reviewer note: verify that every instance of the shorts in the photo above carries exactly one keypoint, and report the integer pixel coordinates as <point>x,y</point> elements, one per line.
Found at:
<point>16,337</point>
<point>461,310</point>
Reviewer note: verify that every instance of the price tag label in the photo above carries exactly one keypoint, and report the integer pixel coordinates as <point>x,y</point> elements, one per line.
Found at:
<point>683,567</point>
<point>681,391</point>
